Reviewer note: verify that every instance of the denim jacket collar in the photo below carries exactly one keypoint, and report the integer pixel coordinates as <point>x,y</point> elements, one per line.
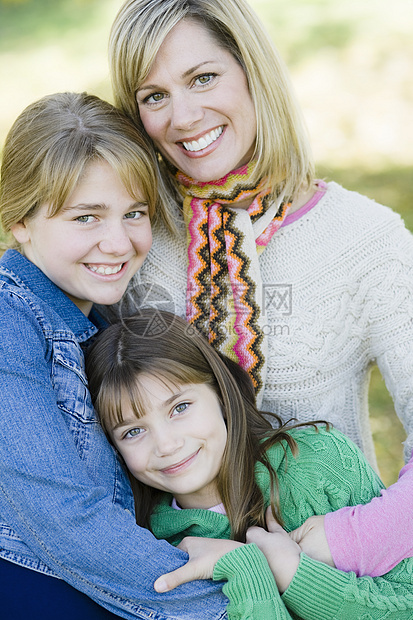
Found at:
<point>25,273</point>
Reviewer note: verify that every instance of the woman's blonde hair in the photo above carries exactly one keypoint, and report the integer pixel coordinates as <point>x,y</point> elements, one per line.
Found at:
<point>282,147</point>
<point>146,343</point>
<point>51,143</point>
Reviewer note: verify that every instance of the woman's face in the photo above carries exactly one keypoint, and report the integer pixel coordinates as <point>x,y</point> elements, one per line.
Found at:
<point>196,106</point>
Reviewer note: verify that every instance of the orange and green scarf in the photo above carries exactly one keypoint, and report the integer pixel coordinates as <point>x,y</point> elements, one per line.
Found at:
<point>224,288</point>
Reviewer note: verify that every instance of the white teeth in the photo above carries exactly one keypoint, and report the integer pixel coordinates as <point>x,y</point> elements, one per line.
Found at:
<point>202,143</point>
<point>107,271</point>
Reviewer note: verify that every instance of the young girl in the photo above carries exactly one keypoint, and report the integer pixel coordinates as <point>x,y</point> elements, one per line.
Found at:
<point>205,462</point>
<point>78,190</point>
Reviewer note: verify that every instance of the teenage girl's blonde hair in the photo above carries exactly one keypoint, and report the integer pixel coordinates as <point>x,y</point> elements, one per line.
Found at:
<point>282,148</point>
<point>51,143</point>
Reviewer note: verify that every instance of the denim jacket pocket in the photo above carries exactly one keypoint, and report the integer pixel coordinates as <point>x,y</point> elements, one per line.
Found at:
<point>74,401</point>
<point>72,394</point>
<point>70,383</point>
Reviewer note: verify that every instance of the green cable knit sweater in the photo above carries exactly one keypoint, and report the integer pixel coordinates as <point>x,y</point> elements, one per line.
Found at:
<point>328,473</point>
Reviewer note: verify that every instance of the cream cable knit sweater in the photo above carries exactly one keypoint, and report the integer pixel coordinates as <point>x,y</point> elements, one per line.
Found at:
<point>338,297</point>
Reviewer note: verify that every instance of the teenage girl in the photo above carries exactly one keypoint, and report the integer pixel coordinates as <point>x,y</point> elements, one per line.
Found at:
<point>78,191</point>
<point>206,463</point>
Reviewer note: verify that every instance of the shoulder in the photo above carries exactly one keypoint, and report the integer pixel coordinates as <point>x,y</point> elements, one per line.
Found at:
<point>352,206</point>
<point>362,222</point>
<point>27,319</point>
<point>326,455</point>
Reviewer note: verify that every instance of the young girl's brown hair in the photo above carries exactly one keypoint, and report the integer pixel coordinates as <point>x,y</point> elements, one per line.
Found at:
<point>163,345</point>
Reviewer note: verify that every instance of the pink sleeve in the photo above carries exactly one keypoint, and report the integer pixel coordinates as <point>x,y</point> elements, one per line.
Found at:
<point>371,539</point>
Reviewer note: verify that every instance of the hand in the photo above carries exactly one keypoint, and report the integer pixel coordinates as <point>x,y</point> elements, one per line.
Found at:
<point>282,553</point>
<point>312,539</point>
<point>203,553</point>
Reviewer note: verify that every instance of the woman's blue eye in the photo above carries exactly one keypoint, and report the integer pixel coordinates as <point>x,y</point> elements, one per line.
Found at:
<point>205,79</point>
<point>154,98</point>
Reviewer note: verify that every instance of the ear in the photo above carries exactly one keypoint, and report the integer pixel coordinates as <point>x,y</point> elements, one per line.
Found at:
<point>20,232</point>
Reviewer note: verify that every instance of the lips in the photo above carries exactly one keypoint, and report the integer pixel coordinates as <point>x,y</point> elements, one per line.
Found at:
<point>182,465</point>
<point>202,143</point>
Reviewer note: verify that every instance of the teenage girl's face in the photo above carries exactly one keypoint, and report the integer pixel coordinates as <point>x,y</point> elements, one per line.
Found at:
<point>196,106</point>
<point>178,445</point>
<point>93,246</point>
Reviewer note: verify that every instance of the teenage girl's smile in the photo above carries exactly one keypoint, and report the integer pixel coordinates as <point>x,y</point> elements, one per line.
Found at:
<point>196,106</point>
<point>94,245</point>
<point>178,444</point>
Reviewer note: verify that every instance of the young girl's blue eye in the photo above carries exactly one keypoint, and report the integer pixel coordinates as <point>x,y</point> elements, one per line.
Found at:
<point>181,407</point>
<point>133,432</point>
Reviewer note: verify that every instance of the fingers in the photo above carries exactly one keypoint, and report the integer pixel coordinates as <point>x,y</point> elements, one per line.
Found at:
<point>298,534</point>
<point>272,524</point>
<point>169,581</point>
<point>255,535</point>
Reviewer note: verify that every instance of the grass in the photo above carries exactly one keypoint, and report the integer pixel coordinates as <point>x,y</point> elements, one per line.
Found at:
<point>351,67</point>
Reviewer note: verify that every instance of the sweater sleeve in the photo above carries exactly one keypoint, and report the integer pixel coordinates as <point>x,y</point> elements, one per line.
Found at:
<point>388,311</point>
<point>371,539</point>
<point>319,592</point>
<point>250,587</point>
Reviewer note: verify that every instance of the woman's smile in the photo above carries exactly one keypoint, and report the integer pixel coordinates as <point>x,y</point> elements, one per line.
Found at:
<point>200,144</point>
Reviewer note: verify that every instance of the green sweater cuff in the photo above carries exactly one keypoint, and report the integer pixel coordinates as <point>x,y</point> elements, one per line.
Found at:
<point>248,574</point>
<point>316,591</point>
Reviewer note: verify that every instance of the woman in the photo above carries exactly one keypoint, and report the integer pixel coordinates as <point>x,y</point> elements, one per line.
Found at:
<point>302,282</point>
<point>78,190</point>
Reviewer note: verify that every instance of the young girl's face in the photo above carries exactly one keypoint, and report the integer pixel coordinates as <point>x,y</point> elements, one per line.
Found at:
<point>178,445</point>
<point>93,246</point>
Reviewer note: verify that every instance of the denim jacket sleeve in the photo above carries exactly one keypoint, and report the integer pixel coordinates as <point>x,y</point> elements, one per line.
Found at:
<point>48,497</point>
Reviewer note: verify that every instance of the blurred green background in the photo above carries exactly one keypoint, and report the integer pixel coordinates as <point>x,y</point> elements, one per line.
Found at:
<point>351,65</point>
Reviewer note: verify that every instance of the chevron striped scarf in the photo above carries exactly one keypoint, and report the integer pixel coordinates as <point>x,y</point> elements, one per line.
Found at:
<point>224,288</point>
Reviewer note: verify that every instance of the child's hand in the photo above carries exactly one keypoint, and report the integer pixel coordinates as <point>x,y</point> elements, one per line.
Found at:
<point>312,539</point>
<point>203,553</point>
<point>282,553</point>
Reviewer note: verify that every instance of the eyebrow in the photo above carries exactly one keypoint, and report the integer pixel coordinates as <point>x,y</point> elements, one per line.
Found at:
<point>186,73</point>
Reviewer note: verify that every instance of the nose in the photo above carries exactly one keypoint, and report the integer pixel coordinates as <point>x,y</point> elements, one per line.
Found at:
<point>167,442</point>
<point>186,112</point>
<point>115,239</point>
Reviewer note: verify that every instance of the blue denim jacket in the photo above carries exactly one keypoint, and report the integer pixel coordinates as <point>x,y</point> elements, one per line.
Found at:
<point>65,503</point>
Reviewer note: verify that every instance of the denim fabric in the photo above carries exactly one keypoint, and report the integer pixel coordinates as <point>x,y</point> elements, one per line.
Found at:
<point>65,503</point>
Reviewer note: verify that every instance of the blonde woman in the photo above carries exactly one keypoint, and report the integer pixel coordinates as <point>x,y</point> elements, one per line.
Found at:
<point>303,283</point>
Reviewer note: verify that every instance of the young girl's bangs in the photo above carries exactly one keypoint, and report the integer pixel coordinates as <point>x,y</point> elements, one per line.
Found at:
<point>118,392</point>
